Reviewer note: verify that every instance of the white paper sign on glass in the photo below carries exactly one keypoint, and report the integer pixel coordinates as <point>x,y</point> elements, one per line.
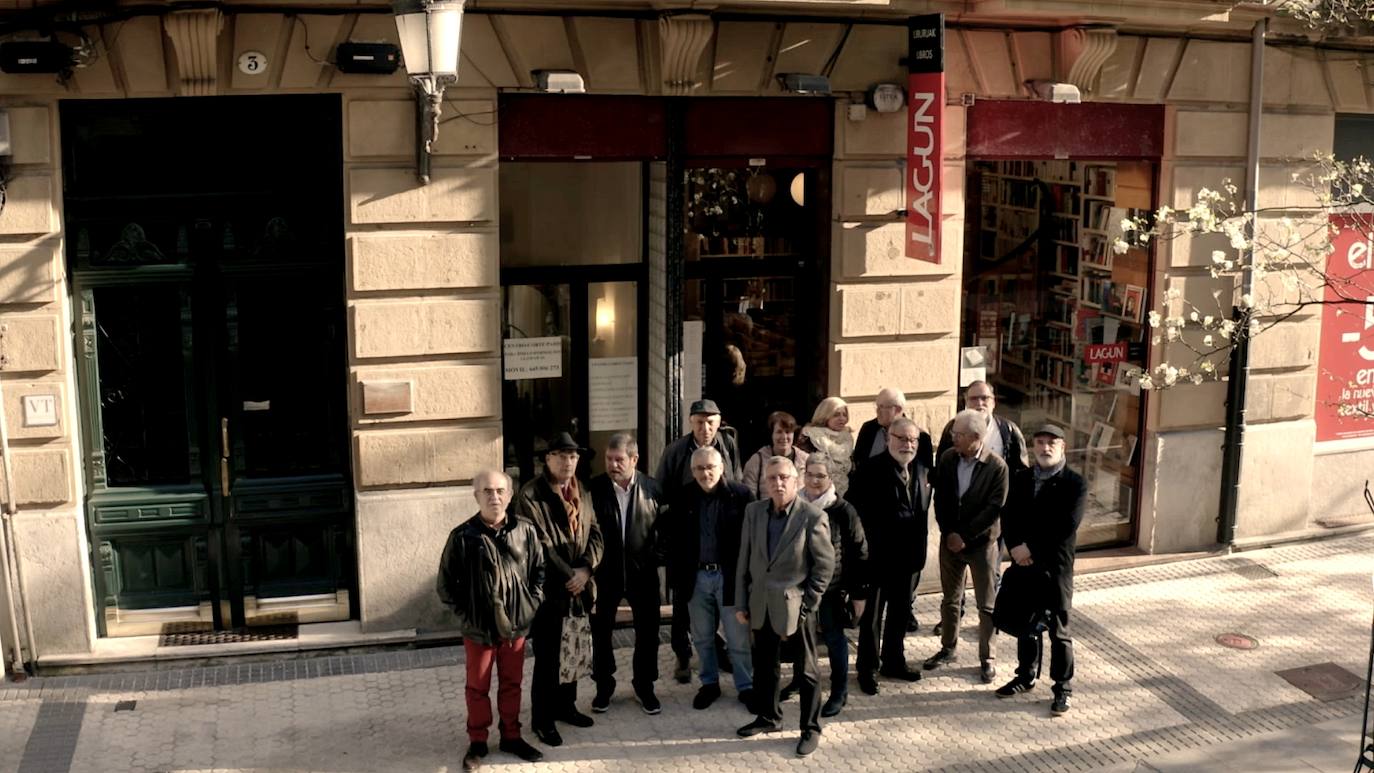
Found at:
<point>533,357</point>
<point>613,387</point>
<point>973,361</point>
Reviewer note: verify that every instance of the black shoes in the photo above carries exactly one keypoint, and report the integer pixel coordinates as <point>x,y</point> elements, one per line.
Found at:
<point>472,760</point>
<point>1060,705</point>
<point>647,700</point>
<point>943,657</point>
<point>1014,687</point>
<point>810,739</point>
<point>602,702</point>
<point>683,672</point>
<point>706,696</point>
<point>868,683</point>
<point>988,672</point>
<point>788,692</point>
<point>549,736</point>
<point>576,719</point>
<point>759,725</point>
<point>901,673</point>
<point>834,703</point>
<point>524,751</point>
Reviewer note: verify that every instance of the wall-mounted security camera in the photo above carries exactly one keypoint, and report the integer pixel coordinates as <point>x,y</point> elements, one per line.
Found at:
<point>1054,91</point>
<point>367,58</point>
<point>35,56</point>
<point>804,83</point>
<point>560,81</point>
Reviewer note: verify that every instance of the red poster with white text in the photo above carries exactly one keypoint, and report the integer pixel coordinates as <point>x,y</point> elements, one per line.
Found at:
<point>1345,368</point>
<point>924,148</point>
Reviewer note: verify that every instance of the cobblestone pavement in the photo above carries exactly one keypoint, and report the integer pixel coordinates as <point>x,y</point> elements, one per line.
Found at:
<point>1152,685</point>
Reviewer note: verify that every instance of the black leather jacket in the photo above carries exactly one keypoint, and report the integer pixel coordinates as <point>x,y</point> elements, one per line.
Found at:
<point>632,557</point>
<point>492,579</point>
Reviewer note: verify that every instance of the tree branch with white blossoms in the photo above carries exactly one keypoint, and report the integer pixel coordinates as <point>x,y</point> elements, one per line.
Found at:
<point>1284,250</point>
<point>1333,16</point>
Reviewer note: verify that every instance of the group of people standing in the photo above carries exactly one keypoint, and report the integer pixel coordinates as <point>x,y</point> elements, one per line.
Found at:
<point>818,531</point>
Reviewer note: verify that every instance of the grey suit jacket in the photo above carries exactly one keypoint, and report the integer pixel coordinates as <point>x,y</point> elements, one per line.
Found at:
<point>790,584</point>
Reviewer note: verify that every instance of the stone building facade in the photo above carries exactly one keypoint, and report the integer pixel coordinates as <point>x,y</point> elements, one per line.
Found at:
<point>422,264</point>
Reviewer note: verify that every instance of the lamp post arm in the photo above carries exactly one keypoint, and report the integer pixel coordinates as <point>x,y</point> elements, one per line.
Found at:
<point>429,104</point>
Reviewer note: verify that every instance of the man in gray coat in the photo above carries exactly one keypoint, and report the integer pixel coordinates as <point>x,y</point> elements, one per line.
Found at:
<point>785,562</point>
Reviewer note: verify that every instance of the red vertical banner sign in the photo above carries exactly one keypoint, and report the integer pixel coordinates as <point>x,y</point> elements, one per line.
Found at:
<point>924,134</point>
<point>1345,368</point>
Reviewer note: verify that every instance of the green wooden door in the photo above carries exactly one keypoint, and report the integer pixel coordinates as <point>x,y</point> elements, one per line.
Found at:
<point>211,359</point>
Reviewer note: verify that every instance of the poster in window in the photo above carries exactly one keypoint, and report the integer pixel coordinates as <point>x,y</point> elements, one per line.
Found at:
<point>1345,373</point>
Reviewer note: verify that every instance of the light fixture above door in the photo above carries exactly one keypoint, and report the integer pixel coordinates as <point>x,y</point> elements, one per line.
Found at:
<point>431,33</point>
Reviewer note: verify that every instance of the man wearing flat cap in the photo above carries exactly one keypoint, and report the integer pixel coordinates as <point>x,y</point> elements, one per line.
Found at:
<point>560,507</point>
<point>675,476</point>
<point>675,467</point>
<point>1040,525</point>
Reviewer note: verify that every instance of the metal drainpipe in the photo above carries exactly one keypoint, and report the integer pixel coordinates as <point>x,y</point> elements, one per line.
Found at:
<point>1239,371</point>
<point>15,656</point>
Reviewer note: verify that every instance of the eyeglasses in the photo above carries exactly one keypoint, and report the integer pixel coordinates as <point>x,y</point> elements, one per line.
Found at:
<point>979,398</point>
<point>909,440</point>
<point>817,475</point>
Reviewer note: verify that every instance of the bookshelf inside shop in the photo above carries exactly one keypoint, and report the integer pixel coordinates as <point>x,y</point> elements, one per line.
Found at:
<point>1062,316</point>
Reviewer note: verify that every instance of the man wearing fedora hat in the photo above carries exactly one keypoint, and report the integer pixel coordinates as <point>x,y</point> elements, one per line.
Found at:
<point>675,476</point>
<point>561,510</point>
<point>1040,524</point>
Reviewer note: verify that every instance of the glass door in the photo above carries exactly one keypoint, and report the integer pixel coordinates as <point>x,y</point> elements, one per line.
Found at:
<point>573,247</point>
<point>570,364</point>
<point>754,288</point>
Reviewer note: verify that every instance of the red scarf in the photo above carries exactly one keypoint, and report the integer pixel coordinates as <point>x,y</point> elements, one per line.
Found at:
<point>571,503</point>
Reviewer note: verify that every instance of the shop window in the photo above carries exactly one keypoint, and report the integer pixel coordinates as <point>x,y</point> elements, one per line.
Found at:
<point>571,213</point>
<point>1060,316</point>
<point>1354,137</point>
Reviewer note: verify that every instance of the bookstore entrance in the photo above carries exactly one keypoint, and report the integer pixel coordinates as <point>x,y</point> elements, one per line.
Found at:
<point>1059,314</point>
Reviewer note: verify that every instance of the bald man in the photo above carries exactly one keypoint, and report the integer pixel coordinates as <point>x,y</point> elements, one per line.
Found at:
<point>872,439</point>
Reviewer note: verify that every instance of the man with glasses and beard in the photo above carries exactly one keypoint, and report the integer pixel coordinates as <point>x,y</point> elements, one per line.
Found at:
<point>892,494</point>
<point>1040,523</point>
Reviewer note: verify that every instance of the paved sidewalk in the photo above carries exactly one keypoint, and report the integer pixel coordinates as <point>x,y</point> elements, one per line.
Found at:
<point>1154,692</point>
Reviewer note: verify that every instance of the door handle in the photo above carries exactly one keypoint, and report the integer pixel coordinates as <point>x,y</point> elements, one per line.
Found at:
<point>224,455</point>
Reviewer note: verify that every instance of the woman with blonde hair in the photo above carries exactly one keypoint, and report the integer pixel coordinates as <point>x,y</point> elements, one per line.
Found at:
<point>829,433</point>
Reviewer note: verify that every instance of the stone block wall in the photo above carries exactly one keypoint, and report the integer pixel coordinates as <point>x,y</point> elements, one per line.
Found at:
<point>36,362</point>
<point>894,321</point>
<point>1206,85</point>
<point>424,323</point>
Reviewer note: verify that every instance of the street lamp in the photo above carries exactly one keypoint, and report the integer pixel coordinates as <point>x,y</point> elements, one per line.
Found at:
<point>430,31</point>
